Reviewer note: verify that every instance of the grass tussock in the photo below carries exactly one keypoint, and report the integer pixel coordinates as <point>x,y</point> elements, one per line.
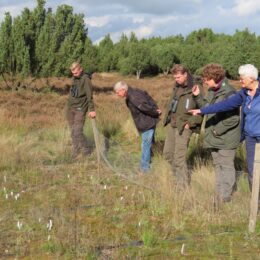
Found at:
<point>56,208</point>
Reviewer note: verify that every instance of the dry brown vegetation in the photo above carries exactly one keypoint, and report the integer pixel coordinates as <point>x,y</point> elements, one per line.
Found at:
<point>158,87</point>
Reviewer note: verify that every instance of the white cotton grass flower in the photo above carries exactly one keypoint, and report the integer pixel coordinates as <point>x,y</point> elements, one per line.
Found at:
<point>4,189</point>
<point>49,237</point>
<point>121,198</point>
<point>39,220</point>
<point>12,193</point>
<point>126,188</point>
<point>49,225</point>
<point>17,196</point>
<point>139,223</point>
<point>183,250</point>
<point>19,225</point>
<point>6,196</point>
<point>105,187</point>
<point>68,176</point>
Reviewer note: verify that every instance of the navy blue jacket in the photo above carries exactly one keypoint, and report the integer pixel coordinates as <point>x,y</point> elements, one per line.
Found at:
<point>143,109</point>
<point>237,100</point>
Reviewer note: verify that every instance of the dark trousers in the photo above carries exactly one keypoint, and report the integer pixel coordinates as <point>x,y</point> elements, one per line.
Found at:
<point>76,120</point>
<point>250,157</point>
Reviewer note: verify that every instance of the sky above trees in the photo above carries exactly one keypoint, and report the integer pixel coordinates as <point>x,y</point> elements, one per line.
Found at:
<point>149,18</point>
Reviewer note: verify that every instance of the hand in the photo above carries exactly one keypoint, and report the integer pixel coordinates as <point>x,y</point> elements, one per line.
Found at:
<point>187,126</point>
<point>159,111</point>
<point>195,112</point>
<point>195,90</point>
<point>92,114</point>
<point>214,132</point>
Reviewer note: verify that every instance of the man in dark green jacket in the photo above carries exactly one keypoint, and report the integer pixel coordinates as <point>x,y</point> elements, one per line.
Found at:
<point>79,103</point>
<point>222,130</point>
<point>180,124</point>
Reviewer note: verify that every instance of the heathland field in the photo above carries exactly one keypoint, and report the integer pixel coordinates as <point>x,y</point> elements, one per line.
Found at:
<point>55,208</point>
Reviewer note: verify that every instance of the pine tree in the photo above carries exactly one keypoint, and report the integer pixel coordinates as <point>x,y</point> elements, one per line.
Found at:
<point>6,45</point>
<point>21,37</point>
<point>72,47</point>
<point>90,57</point>
<point>139,58</point>
<point>45,51</point>
<point>106,55</point>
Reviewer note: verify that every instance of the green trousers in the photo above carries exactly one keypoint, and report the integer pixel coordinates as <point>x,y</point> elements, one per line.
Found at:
<point>175,151</point>
<point>225,174</point>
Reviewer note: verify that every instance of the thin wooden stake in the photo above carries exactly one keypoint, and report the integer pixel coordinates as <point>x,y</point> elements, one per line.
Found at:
<point>255,190</point>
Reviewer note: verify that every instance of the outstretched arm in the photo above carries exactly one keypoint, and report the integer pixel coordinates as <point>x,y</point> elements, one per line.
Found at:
<point>228,104</point>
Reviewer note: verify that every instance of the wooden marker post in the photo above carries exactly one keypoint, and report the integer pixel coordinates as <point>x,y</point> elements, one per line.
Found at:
<point>255,190</point>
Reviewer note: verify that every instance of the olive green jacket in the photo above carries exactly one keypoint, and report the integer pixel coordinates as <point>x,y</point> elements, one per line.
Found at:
<point>185,103</point>
<point>80,96</point>
<point>222,130</point>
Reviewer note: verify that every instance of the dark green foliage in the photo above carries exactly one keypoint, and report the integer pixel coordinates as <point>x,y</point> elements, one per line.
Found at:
<point>194,56</point>
<point>203,36</point>
<point>41,43</point>
<point>70,39</point>
<point>106,58</point>
<point>138,59</point>
<point>121,52</point>
<point>164,56</point>
<point>45,47</point>
<point>6,45</point>
<point>89,58</point>
<point>133,38</point>
<point>123,46</point>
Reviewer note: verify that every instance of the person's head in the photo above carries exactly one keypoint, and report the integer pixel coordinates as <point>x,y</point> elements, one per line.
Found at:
<point>248,74</point>
<point>180,74</point>
<point>213,74</point>
<point>121,88</point>
<point>76,69</point>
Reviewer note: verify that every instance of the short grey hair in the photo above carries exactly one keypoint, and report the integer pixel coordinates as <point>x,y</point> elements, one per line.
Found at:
<point>248,70</point>
<point>120,85</point>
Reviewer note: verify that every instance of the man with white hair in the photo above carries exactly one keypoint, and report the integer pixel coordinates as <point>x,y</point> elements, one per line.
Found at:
<point>145,114</point>
<point>249,99</point>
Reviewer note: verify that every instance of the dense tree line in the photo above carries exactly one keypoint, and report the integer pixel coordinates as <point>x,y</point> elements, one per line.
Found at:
<point>42,43</point>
